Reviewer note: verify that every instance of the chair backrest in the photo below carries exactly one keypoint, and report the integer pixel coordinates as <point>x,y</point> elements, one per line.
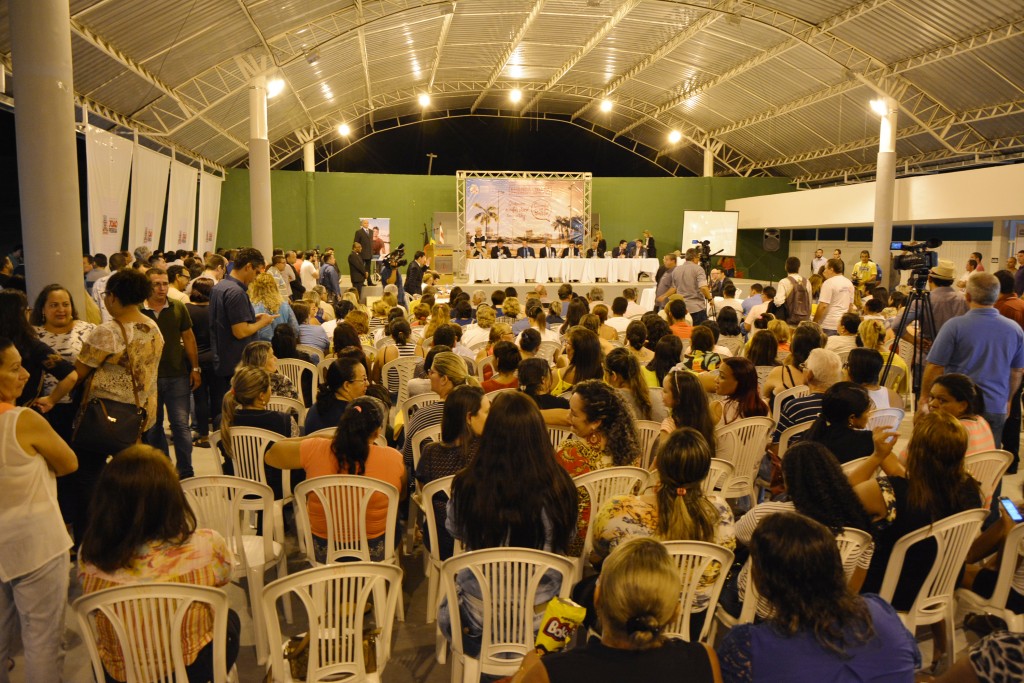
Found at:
<point>314,352</point>
<point>851,465</point>
<point>370,351</point>
<point>442,485</point>
<point>345,498</point>
<point>248,445</point>
<point>487,362</point>
<point>718,476</point>
<point>895,377</point>
<point>762,374</point>
<point>146,620</point>
<point>322,366</point>
<point>547,350</point>
<point>890,418</point>
<point>695,560</point>
<point>292,368</point>
<point>558,435</point>
<point>788,434</point>
<point>852,544</point>
<point>604,483</point>
<point>1007,569</point>
<point>224,503</point>
<point>648,431</point>
<point>953,536</point>
<point>292,406</point>
<point>421,439</point>
<point>792,392</point>
<point>215,447</point>
<point>492,394</point>
<point>337,600</point>
<point>414,403</point>
<point>743,443</point>
<point>478,346</point>
<point>988,468</point>
<point>400,370</point>
<point>509,579</point>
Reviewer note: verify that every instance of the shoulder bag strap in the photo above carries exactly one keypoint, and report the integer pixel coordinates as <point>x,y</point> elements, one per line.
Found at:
<point>131,371</point>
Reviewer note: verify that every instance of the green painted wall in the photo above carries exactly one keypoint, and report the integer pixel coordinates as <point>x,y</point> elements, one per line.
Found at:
<point>626,206</point>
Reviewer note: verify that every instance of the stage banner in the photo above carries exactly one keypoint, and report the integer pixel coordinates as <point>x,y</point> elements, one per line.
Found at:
<point>108,161</point>
<point>209,211</point>
<point>149,192</point>
<point>181,209</point>
<point>381,228</point>
<point>530,209</point>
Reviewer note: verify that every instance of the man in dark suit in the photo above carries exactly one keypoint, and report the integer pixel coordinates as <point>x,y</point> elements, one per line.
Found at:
<point>548,251</point>
<point>499,250</point>
<point>525,251</point>
<point>364,237</point>
<point>357,268</point>
<point>572,250</point>
<point>650,251</point>
<point>620,251</point>
<point>414,274</point>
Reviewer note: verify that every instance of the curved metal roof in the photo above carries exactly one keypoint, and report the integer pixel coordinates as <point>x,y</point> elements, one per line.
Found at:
<point>775,87</point>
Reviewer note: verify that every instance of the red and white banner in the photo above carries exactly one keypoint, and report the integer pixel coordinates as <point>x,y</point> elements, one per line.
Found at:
<point>149,192</point>
<point>209,211</point>
<point>181,208</point>
<point>108,161</point>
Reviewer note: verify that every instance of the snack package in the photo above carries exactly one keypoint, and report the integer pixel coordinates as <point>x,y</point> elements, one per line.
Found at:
<point>561,618</point>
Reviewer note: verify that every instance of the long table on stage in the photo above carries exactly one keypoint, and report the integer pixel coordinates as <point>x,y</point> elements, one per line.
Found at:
<point>587,270</point>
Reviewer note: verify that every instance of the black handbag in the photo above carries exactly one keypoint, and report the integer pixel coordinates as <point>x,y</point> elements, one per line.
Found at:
<point>108,426</point>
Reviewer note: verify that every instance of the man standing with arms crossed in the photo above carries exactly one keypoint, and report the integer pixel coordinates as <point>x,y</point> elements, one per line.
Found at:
<point>835,298</point>
<point>175,379</point>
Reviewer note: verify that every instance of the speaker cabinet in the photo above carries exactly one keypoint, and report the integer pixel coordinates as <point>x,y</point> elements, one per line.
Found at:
<point>772,239</point>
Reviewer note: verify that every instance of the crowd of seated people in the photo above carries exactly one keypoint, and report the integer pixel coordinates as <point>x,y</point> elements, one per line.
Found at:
<point>513,486</point>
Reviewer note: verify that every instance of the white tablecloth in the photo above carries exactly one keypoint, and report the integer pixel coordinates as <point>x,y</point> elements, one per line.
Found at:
<point>574,270</point>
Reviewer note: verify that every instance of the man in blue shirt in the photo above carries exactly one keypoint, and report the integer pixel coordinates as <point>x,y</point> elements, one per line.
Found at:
<point>233,321</point>
<point>754,299</point>
<point>983,345</point>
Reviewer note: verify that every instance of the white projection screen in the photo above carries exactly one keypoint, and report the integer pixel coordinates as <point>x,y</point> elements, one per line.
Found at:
<point>718,227</point>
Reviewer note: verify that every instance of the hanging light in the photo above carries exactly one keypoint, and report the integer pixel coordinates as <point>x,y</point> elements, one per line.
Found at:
<point>424,99</point>
<point>878,106</point>
<point>606,105</point>
<point>344,130</point>
<point>274,87</point>
<point>675,136</point>
<point>515,94</point>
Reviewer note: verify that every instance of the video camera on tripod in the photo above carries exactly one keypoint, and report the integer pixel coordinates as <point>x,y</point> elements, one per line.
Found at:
<point>917,259</point>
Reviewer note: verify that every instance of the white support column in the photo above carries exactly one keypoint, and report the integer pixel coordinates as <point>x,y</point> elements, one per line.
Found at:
<point>885,190</point>
<point>259,169</point>
<point>308,157</point>
<point>309,164</point>
<point>44,121</point>
<point>709,162</point>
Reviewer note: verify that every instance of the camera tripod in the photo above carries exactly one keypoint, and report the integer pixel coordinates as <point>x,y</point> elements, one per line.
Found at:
<point>919,308</point>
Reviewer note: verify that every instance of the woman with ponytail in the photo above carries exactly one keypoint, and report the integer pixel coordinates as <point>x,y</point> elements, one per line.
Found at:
<point>872,336</point>
<point>637,600</point>
<point>622,372</point>
<point>345,381</point>
<point>841,426</point>
<point>351,451</point>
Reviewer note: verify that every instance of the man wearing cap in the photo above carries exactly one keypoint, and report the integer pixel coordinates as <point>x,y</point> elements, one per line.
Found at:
<point>947,303</point>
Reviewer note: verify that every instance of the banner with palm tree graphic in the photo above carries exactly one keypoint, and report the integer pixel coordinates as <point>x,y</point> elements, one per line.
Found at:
<point>525,209</point>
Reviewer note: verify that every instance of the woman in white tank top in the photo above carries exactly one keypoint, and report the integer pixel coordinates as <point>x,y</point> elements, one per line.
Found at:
<point>864,366</point>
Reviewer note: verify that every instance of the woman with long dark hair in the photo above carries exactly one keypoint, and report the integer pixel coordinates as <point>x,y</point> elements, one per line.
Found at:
<point>351,451</point>
<point>763,349</point>
<point>841,426</point>
<point>737,384</point>
<point>667,352</point>
<point>731,336</point>
<point>864,366</point>
<point>818,629</point>
<point>578,307</point>
<point>791,373</point>
<point>462,424</point>
<point>622,371</point>
<point>688,406</point>
<point>512,494</point>
<point>198,307</point>
<point>142,530</point>
<point>583,351</point>
<point>344,382</point>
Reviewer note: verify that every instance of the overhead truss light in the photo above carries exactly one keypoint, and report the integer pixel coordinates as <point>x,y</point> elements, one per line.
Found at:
<point>274,87</point>
<point>675,136</point>
<point>344,130</point>
<point>424,99</point>
<point>606,105</point>
<point>515,94</point>
<point>879,106</point>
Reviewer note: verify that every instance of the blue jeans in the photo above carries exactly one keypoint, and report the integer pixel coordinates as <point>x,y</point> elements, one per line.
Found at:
<point>174,393</point>
<point>697,317</point>
<point>36,601</point>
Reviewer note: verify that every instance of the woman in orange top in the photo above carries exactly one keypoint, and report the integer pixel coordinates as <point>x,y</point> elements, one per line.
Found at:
<point>351,451</point>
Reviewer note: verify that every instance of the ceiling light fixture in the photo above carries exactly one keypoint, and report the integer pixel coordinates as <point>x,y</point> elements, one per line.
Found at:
<point>313,56</point>
<point>515,94</point>
<point>879,107</point>
<point>274,87</point>
<point>344,130</point>
<point>606,105</point>
<point>424,99</point>
<point>675,136</point>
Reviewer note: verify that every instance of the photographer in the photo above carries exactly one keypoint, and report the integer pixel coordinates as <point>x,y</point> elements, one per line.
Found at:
<point>946,302</point>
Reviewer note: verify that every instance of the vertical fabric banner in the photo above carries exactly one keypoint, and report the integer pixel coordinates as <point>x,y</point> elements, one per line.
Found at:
<point>181,208</point>
<point>108,161</point>
<point>209,211</point>
<point>149,192</point>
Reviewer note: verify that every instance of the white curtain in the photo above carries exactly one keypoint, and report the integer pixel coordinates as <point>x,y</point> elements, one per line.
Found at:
<point>149,192</point>
<point>181,209</point>
<point>209,211</point>
<point>109,166</point>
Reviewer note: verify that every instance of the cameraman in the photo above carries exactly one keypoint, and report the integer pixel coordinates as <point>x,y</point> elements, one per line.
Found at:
<point>946,302</point>
<point>689,280</point>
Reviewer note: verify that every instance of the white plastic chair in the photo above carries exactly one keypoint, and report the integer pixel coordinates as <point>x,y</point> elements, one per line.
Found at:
<point>508,578</point>
<point>215,447</point>
<point>478,346</point>
<point>146,620</point>
<point>491,395</point>
<point>329,432</point>
<point>851,465</point>
<point>852,544</point>
<point>693,559</point>
<point>292,368</point>
<point>648,431</point>
<point>420,439</point>
<point>988,468</point>
<point>934,601</point>
<point>336,599</point>
<point>314,352</point>
<point>248,446</point>
<point>547,350</point>
<point>762,375</point>
<point>414,403</point>
<point>718,477</point>
<point>890,418</point>
<point>292,406</point>
<point>558,435</point>
<point>743,443</point>
<point>225,505</point>
<point>403,369</point>
<point>322,366</point>
<point>487,362</point>
<point>600,485</point>
<point>792,392</point>
<point>788,434</point>
<point>433,555</point>
<point>971,601</point>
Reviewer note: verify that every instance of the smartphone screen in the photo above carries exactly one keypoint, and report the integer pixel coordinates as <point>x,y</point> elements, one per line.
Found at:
<point>1011,509</point>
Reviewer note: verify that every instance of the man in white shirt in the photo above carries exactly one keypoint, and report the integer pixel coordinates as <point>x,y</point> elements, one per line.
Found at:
<point>818,262</point>
<point>177,280</point>
<point>846,339</point>
<point>729,300</point>
<point>766,295</point>
<point>117,261</point>
<point>835,298</point>
<point>308,273</point>
<point>786,284</point>
<point>618,320</point>
<point>632,307</point>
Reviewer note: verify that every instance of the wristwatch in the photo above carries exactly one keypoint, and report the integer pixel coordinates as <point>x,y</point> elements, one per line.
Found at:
<point>199,370</point>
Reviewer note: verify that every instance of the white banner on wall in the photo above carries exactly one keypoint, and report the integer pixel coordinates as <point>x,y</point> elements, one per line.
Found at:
<point>109,166</point>
<point>181,208</point>
<point>209,211</point>
<point>149,192</point>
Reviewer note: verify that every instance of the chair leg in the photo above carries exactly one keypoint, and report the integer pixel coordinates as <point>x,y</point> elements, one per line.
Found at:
<point>441,648</point>
<point>470,670</point>
<point>255,580</point>
<point>433,582</point>
<point>950,627</point>
<point>282,571</point>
